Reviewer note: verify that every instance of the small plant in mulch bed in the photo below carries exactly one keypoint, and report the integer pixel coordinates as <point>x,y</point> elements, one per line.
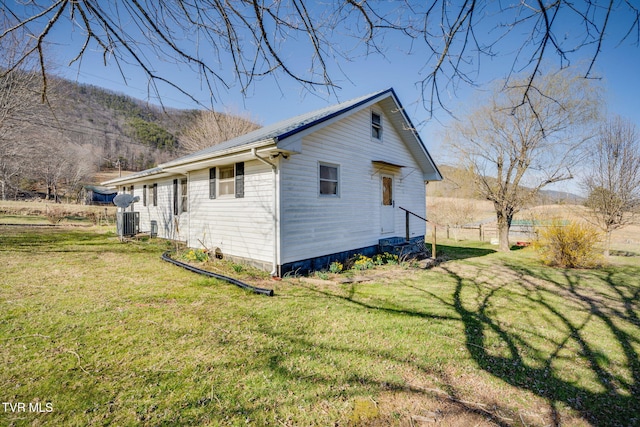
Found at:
<point>386,258</point>
<point>195,255</point>
<point>336,267</point>
<point>362,262</point>
<point>322,275</point>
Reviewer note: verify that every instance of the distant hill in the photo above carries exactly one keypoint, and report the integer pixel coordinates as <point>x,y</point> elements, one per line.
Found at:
<point>119,128</point>
<point>53,148</point>
<point>458,183</point>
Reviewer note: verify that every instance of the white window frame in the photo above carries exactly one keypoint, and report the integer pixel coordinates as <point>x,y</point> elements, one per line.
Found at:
<point>376,127</point>
<point>184,195</point>
<point>219,181</point>
<point>320,179</point>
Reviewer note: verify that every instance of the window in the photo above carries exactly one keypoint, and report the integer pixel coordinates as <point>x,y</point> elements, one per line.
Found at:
<point>184,201</point>
<point>212,183</point>
<point>180,199</point>
<point>328,180</point>
<point>176,205</point>
<point>227,181</point>
<point>376,126</point>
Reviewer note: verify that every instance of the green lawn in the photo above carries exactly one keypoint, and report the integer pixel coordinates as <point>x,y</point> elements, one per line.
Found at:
<point>98,332</point>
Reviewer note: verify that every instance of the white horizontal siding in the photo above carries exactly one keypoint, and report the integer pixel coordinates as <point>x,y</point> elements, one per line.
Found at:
<point>168,226</point>
<point>314,225</point>
<point>240,227</point>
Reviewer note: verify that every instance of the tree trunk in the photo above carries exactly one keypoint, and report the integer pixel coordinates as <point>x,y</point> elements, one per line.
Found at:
<point>607,243</point>
<point>504,224</point>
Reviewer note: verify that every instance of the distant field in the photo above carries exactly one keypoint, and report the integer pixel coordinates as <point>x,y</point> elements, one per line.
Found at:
<point>98,332</point>
<point>624,240</point>
<point>43,212</point>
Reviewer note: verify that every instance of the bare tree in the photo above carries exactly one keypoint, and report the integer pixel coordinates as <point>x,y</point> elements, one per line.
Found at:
<point>612,180</point>
<point>211,128</point>
<point>515,152</point>
<point>255,38</point>
<point>454,212</point>
<point>17,112</point>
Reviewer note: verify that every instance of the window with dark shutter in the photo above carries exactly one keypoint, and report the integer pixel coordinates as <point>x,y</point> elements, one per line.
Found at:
<point>175,197</point>
<point>155,194</point>
<point>212,183</point>
<point>239,180</point>
<point>184,198</point>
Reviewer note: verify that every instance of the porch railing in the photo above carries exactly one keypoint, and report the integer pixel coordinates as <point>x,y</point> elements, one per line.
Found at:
<point>407,215</point>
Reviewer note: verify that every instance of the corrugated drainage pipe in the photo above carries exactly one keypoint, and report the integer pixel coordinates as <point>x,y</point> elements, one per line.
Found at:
<point>254,289</point>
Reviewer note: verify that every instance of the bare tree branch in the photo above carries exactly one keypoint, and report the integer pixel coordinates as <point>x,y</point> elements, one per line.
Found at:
<point>516,153</point>
<point>612,179</point>
<point>231,42</point>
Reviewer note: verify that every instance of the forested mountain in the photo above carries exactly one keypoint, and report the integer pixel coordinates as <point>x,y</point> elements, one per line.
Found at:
<point>54,146</point>
<point>120,128</point>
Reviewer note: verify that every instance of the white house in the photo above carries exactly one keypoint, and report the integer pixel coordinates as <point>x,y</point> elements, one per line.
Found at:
<point>295,195</point>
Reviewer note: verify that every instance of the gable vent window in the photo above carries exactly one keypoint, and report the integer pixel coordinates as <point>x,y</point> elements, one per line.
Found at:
<point>376,126</point>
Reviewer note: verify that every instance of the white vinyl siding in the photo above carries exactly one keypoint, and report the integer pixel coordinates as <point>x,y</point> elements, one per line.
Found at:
<point>240,226</point>
<point>159,208</point>
<point>313,226</point>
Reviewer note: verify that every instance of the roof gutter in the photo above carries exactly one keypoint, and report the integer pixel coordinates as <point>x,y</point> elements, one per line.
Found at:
<point>276,214</point>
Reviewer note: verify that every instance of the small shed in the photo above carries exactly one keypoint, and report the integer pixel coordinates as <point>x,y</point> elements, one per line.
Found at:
<point>98,195</point>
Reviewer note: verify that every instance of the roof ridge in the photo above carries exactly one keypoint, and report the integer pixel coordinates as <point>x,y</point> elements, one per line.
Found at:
<point>284,128</point>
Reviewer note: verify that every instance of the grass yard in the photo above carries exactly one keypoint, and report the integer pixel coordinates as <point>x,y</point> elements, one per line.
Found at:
<point>98,332</point>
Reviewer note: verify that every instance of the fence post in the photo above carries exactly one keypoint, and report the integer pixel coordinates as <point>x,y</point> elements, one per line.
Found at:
<point>433,241</point>
<point>406,225</point>
<point>480,232</point>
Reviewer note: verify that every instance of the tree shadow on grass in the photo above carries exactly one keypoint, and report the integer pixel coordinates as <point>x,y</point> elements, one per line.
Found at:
<point>569,337</point>
<point>461,252</point>
<point>582,321</point>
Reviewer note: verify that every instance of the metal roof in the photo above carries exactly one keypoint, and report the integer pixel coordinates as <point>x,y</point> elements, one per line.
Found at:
<point>277,132</point>
<point>281,130</point>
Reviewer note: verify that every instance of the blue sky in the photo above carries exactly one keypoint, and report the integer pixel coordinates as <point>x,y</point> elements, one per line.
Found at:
<point>271,99</point>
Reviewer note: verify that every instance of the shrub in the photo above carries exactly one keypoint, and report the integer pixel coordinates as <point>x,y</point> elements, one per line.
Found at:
<point>568,245</point>
<point>54,215</point>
